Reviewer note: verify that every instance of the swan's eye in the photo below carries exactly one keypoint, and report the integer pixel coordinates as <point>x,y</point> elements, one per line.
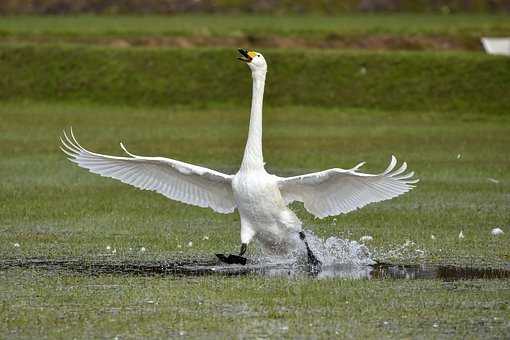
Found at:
<point>258,55</point>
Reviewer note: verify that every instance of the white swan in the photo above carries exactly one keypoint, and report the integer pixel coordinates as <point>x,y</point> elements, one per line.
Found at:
<point>260,198</point>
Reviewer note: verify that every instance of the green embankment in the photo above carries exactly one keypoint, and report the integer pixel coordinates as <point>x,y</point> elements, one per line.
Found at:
<point>460,26</point>
<point>464,82</point>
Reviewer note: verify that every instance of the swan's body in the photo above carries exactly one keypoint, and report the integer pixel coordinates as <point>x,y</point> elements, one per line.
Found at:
<point>260,198</point>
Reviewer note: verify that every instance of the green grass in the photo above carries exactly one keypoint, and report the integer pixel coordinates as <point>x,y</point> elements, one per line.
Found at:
<point>53,208</point>
<point>462,25</point>
<point>403,81</point>
<point>45,304</point>
<point>321,111</point>
<point>353,31</point>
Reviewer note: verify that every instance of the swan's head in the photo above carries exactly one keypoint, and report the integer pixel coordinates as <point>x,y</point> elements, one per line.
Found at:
<point>255,60</point>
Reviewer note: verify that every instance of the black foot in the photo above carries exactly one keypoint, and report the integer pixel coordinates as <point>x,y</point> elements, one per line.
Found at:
<point>232,259</point>
<point>312,260</point>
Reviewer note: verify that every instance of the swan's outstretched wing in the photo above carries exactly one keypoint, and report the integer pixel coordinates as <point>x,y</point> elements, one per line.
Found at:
<point>338,191</point>
<point>176,180</point>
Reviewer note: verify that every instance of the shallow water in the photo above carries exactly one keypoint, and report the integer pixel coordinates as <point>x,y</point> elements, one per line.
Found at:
<point>340,258</point>
<point>202,267</point>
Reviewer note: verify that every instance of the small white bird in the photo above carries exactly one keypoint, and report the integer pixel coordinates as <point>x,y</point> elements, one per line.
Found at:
<point>260,198</point>
<point>497,232</point>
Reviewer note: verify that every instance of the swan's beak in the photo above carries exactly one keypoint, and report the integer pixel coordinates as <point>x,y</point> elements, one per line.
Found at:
<point>245,55</point>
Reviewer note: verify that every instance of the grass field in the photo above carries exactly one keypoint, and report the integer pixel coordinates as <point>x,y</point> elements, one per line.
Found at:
<point>396,31</point>
<point>447,115</point>
<point>53,209</point>
<point>233,25</point>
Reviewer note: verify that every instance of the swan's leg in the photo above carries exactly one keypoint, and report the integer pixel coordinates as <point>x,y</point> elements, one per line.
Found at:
<point>243,249</point>
<point>232,258</point>
<point>311,257</point>
<point>247,234</point>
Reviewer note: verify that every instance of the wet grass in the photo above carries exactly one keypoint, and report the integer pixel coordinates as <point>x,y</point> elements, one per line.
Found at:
<point>50,208</point>
<point>47,304</point>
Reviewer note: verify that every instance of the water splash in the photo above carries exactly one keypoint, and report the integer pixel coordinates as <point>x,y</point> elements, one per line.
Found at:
<point>337,251</point>
<point>339,258</point>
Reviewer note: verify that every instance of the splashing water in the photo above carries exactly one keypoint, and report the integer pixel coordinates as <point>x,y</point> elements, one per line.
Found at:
<point>339,258</point>
<point>335,251</point>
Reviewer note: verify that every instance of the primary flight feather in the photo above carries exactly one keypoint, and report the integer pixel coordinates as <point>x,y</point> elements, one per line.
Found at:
<point>260,198</point>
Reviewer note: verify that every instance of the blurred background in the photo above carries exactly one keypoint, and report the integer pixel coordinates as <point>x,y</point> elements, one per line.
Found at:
<point>329,7</point>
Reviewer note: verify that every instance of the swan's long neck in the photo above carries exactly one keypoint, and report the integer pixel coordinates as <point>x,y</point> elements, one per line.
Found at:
<point>253,158</point>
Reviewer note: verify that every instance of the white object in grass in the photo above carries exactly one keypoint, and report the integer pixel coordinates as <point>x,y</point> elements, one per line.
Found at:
<point>461,235</point>
<point>143,249</point>
<point>260,198</point>
<point>366,238</point>
<point>190,244</point>
<point>16,245</point>
<point>497,232</point>
<point>499,46</point>
<point>432,237</point>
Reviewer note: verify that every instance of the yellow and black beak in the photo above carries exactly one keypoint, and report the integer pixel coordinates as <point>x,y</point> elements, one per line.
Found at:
<point>246,56</point>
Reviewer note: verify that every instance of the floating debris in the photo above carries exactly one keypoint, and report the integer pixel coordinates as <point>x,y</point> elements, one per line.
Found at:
<point>190,244</point>
<point>459,156</point>
<point>205,238</point>
<point>432,237</point>
<point>108,247</point>
<point>461,235</point>
<point>16,245</point>
<point>143,249</point>
<point>493,180</point>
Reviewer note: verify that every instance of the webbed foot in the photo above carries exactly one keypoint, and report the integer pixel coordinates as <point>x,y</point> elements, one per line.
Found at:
<point>232,259</point>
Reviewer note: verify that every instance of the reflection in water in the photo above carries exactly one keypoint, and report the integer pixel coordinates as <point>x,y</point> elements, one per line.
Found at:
<point>201,267</point>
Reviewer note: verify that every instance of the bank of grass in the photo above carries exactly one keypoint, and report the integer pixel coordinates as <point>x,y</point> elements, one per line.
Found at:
<point>399,81</point>
<point>51,208</point>
<point>354,31</point>
<point>461,26</point>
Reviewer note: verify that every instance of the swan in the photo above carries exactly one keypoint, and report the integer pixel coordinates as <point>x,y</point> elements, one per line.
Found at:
<point>261,198</point>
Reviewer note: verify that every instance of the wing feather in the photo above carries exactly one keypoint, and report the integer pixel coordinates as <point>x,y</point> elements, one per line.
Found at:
<point>176,180</point>
<point>338,191</point>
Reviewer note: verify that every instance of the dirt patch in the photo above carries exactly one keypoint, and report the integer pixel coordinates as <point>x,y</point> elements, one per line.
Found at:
<point>332,41</point>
